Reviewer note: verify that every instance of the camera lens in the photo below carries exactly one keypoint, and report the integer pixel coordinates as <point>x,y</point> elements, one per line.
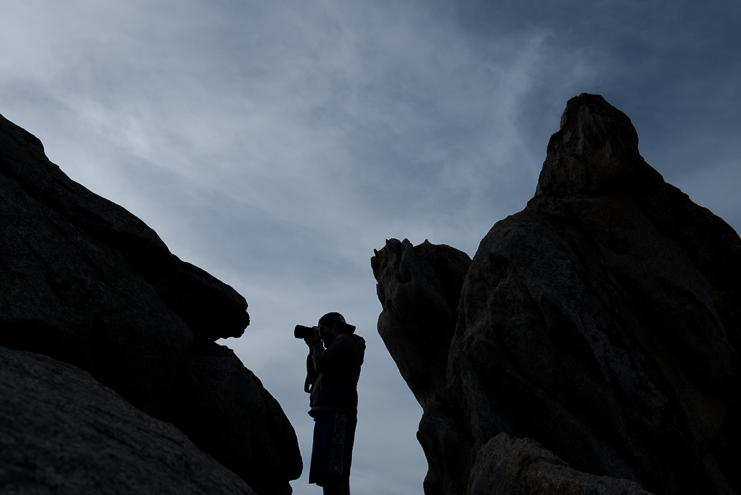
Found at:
<point>302,332</point>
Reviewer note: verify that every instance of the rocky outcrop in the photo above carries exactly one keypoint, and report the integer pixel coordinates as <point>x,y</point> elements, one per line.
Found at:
<point>601,322</point>
<point>86,282</point>
<point>419,289</point>
<point>63,432</point>
<point>523,466</point>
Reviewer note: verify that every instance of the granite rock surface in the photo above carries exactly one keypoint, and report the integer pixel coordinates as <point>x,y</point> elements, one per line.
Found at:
<point>63,432</point>
<point>602,322</point>
<point>85,282</point>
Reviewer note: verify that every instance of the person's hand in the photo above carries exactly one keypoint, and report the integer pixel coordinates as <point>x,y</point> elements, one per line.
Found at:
<point>310,341</point>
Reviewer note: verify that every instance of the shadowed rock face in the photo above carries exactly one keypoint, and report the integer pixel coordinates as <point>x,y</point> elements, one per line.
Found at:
<point>419,289</point>
<point>523,466</point>
<point>84,281</point>
<point>63,432</point>
<point>602,322</point>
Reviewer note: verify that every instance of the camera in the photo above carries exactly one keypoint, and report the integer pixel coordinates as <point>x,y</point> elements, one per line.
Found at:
<point>302,332</point>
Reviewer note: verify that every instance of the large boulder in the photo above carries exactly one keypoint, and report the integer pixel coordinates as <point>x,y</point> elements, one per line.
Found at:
<point>602,321</point>
<point>419,287</point>
<point>63,432</point>
<point>523,466</point>
<point>86,282</point>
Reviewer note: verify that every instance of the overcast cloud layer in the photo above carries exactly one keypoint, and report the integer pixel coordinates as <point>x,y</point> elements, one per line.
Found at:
<point>276,144</point>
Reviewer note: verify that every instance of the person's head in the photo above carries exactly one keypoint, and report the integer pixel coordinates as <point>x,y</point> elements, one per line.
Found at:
<point>332,324</point>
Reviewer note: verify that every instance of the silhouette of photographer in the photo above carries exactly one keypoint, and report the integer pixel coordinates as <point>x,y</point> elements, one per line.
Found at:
<point>333,369</point>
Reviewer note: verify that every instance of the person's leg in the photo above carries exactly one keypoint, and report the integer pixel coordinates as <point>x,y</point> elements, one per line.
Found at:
<point>332,456</point>
<point>321,448</point>
<point>336,486</point>
<point>343,487</point>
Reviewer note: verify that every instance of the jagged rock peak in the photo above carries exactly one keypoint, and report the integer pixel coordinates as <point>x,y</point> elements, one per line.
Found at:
<point>594,346</point>
<point>425,276</point>
<point>596,148</point>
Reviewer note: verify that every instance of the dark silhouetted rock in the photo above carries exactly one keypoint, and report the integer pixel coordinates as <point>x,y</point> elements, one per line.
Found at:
<point>419,289</point>
<point>86,282</point>
<point>251,417</point>
<point>523,466</point>
<point>63,432</point>
<point>602,322</point>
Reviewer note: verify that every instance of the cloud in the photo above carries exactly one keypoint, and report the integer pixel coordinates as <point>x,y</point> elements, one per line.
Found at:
<point>276,144</point>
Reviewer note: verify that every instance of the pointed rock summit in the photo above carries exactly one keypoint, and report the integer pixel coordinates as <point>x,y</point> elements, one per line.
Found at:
<point>595,150</point>
<point>592,345</point>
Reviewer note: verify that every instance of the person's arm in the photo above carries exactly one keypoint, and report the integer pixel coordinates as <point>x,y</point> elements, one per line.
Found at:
<point>334,357</point>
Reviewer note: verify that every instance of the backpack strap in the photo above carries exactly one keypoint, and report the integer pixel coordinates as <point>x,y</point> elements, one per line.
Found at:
<point>310,373</point>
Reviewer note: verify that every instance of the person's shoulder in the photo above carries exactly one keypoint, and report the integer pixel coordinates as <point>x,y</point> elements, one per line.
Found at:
<point>350,337</point>
<point>359,341</point>
<point>344,336</point>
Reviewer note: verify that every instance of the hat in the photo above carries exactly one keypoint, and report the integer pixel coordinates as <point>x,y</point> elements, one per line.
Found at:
<point>336,318</point>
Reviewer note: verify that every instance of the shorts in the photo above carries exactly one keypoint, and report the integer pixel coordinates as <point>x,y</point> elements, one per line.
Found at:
<point>331,454</point>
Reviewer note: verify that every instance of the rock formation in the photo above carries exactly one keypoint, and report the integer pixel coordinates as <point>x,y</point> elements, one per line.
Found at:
<point>85,282</point>
<point>593,341</point>
<point>63,432</point>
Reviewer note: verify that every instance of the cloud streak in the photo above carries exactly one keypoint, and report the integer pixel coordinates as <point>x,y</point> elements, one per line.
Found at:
<point>276,144</point>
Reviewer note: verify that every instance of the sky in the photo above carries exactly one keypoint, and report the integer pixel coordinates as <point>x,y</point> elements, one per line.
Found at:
<point>277,144</point>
